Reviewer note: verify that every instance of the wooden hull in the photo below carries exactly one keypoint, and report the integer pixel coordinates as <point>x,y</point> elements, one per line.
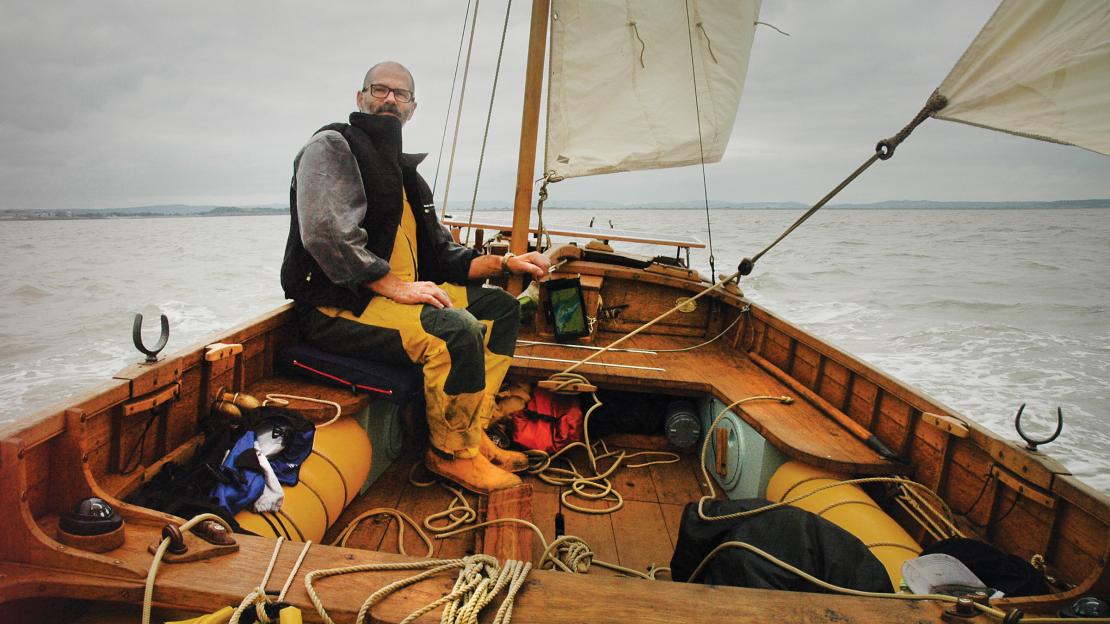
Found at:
<point>1027,503</point>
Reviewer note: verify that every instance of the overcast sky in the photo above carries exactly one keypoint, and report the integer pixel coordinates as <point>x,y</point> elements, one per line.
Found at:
<point>112,104</point>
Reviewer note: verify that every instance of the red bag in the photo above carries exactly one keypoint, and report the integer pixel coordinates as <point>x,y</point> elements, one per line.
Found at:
<point>549,422</point>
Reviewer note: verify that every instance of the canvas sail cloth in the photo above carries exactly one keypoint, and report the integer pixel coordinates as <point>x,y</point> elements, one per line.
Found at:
<point>1040,70</point>
<point>608,113</point>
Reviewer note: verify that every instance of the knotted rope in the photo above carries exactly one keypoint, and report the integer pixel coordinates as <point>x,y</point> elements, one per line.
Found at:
<point>258,597</point>
<point>480,579</point>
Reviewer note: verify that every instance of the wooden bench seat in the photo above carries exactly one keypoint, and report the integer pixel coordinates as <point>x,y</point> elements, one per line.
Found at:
<point>351,403</point>
<point>800,430</point>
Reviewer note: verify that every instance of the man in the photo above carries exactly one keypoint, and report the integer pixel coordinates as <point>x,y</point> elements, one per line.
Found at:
<point>375,275</point>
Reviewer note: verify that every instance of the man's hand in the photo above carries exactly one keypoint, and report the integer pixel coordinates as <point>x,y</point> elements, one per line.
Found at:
<point>534,263</point>
<point>410,292</point>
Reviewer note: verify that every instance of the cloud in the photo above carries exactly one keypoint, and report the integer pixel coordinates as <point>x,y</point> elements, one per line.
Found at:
<point>116,103</point>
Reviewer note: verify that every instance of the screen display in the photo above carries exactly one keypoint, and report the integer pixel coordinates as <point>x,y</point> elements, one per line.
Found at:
<point>568,313</point>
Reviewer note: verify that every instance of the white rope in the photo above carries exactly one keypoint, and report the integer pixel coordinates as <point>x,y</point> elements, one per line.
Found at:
<point>402,519</point>
<point>653,321</point>
<point>567,553</point>
<point>258,598</point>
<point>148,591</point>
<point>282,400</point>
<point>480,579</point>
<point>986,609</point>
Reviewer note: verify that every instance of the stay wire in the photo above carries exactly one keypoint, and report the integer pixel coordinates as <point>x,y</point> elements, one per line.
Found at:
<point>458,111</point>
<point>451,98</point>
<point>489,117</point>
<point>701,143</point>
<point>884,150</point>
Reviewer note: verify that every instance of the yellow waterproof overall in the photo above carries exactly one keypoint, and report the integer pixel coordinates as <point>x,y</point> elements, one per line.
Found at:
<point>464,350</point>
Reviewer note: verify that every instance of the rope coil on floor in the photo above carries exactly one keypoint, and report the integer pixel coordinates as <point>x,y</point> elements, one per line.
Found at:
<point>480,579</point>
<point>597,484</point>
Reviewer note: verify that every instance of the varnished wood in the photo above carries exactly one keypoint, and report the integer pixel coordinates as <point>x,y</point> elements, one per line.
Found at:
<point>507,540</point>
<point>1036,506</point>
<point>529,129</point>
<point>800,430</point>
<point>350,402</point>
<point>152,400</point>
<point>545,597</point>
<point>948,424</point>
<point>1015,484</point>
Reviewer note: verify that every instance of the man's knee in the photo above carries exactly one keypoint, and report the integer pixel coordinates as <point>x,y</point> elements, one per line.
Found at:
<point>464,338</point>
<point>506,322</point>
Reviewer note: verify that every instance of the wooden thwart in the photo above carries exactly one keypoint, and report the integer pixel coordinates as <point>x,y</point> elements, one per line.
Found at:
<point>507,540</point>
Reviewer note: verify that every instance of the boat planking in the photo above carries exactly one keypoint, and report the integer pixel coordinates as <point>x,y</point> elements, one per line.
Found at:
<point>1025,503</point>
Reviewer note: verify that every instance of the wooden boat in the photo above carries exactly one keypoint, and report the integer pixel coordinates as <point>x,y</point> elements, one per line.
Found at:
<point>714,351</point>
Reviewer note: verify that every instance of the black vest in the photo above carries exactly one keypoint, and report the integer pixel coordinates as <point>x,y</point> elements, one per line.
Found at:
<point>375,141</point>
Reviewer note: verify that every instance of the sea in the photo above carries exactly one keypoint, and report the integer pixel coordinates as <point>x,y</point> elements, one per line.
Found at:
<point>984,310</point>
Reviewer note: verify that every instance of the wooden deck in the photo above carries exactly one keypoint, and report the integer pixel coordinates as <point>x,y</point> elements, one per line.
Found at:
<point>642,533</point>
<point>800,430</point>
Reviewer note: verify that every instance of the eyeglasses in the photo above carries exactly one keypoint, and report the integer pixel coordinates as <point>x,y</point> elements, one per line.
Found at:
<point>381,91</point>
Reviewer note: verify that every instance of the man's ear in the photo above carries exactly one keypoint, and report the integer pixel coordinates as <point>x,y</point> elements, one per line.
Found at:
<point>358,100</point>
<point>412,110</point>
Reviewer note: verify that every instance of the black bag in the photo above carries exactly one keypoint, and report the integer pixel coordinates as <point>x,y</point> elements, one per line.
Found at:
<point>798,537</point>
<point>1009,574</point>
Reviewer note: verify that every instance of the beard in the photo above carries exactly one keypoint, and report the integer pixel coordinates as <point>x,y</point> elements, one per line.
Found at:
<point>383,108</point>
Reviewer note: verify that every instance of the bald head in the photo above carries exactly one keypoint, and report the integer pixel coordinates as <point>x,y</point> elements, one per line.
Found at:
<point>391,67</point>
<point>388,79</point>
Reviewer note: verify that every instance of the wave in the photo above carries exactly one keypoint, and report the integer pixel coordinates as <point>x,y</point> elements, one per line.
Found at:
<point>28,292</point>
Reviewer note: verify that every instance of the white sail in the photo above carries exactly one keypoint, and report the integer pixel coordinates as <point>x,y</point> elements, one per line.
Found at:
<point>621,94</point>
<point>1038,69</point>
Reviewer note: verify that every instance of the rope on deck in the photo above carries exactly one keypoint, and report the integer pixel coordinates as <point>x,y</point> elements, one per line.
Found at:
<point>480,579</point>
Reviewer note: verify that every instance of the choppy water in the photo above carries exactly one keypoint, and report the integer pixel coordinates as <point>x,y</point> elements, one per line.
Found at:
<point>983,310</point>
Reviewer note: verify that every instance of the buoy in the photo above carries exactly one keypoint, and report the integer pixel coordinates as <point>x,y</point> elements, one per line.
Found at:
<point>848,507</point>
<point>329,480</point>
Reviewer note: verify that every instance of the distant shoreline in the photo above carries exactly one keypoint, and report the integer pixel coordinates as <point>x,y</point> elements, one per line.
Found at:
<point>181,210</point>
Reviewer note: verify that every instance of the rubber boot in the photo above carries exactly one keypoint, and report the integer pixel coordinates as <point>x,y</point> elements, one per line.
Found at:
<point>511,461</point>
<point>476,473</point>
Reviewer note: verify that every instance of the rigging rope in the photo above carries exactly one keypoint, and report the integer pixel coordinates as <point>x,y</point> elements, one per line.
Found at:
<point>701,143</point>
<point>684,303</point>
<point>884,150</point>
<point>451,98</point>
<point>489,117</point>
<point>458,111</point>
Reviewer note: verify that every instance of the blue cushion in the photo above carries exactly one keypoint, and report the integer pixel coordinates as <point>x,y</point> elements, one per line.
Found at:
<point>391,382</point>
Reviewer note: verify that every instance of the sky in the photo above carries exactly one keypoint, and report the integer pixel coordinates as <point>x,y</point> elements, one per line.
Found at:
<point>112,104</point>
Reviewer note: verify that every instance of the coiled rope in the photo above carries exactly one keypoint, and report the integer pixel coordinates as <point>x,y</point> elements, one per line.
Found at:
<point>594,484</point>
<point>480,579</point>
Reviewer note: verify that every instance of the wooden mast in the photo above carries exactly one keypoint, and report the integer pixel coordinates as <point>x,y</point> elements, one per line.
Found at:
<point>529,130</point>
